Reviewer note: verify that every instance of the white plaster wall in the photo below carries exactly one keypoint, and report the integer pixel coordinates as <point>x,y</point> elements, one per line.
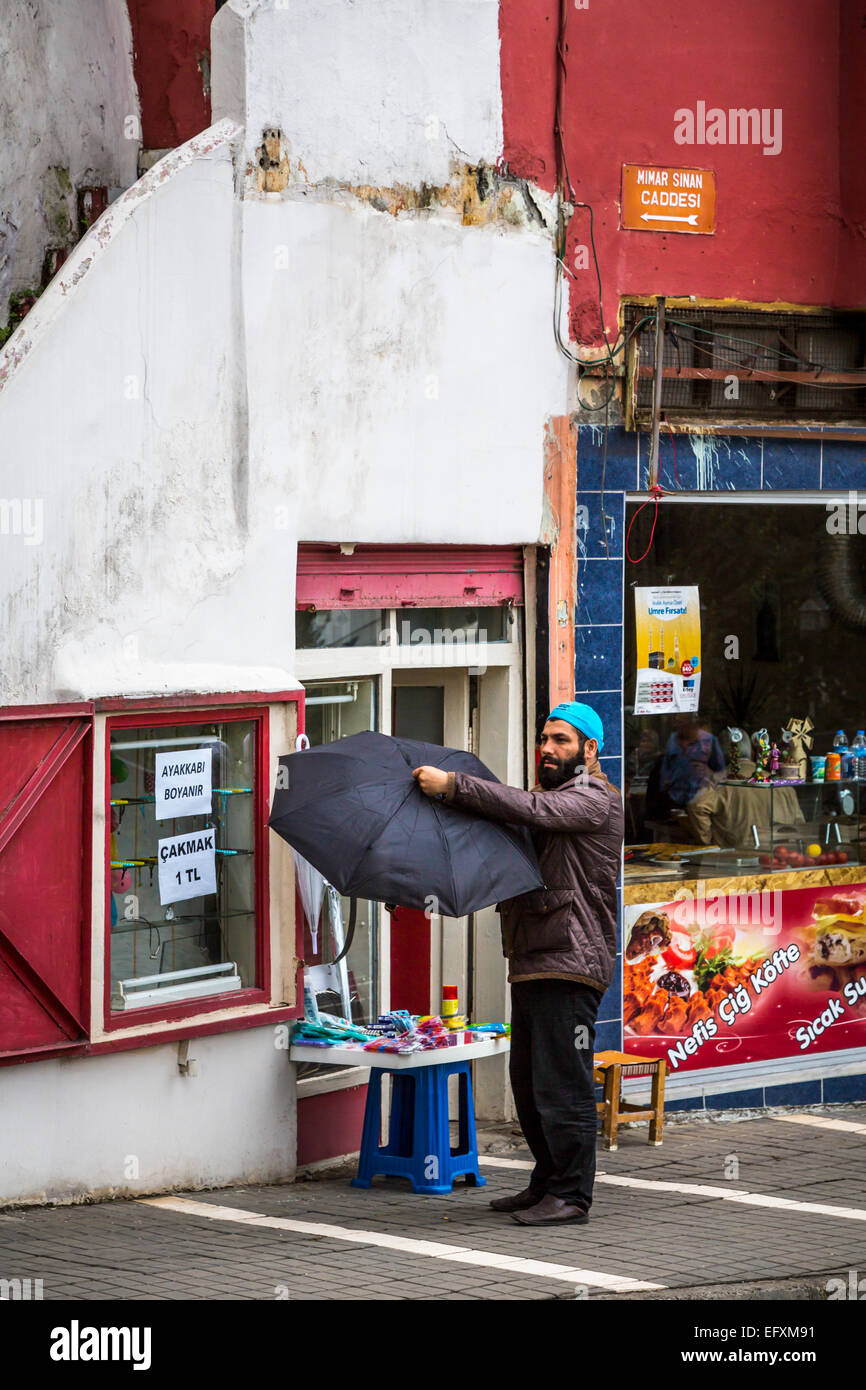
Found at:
<point>228,377</point>
<point>372,92</point>
<point>71,1126</point>
<point>400,371</point>
<point>67,87</point>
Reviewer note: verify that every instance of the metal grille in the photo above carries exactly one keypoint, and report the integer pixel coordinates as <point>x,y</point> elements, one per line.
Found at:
<point>724,365</point>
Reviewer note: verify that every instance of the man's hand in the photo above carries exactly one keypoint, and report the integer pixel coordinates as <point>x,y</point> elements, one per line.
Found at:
<point>432,780</point>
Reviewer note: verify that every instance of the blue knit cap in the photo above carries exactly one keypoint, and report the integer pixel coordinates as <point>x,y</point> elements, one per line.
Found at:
<point>582,717</point>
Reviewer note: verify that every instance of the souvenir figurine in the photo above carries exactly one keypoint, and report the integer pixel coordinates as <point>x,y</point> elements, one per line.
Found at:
<point>734,769</point>
<point>761,741</point>
<point>799,740</point>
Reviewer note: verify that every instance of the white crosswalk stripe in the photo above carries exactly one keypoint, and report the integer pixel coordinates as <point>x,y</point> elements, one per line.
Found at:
<point>437,1250</point>
<point>695,1189</point>
<point>821,1122</point>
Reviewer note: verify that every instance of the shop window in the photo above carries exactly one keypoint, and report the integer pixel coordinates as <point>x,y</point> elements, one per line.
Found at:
<point>445,629</point>
<point>339,627</point>
<point>447,626</point>
<point>184,860</point>
<point>733,365</point>
<point>781,649</point>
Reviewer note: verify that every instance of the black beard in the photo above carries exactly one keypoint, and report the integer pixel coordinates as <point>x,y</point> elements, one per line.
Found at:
<point>550,777</point>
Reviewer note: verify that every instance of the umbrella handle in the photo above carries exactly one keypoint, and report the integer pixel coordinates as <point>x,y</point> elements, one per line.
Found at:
<point>350,930</point>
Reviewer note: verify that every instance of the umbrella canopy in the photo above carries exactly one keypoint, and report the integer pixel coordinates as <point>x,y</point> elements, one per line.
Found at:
<point>354,810</point>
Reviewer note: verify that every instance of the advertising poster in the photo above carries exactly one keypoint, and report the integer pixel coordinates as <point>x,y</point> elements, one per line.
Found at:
<point>709,980</point>
<point>668,650</point>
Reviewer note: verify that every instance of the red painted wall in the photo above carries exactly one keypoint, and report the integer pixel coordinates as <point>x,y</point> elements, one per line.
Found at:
<point>853,152</point>
<point>790,227</point>
<point>410,961</point>
<point>171,46</point>
<point>330,1124</point>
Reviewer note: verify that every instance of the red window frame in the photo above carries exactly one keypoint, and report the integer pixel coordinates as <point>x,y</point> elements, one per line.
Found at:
<point>151,715</point>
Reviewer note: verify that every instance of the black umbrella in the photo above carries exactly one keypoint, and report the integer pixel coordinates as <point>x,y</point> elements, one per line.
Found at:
<point>354,810</point>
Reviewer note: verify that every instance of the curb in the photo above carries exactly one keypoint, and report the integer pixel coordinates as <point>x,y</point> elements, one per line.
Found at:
<point>801,1288</point>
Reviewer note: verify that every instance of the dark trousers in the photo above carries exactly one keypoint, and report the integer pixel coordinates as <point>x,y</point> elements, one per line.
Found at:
<point>552,1042</point>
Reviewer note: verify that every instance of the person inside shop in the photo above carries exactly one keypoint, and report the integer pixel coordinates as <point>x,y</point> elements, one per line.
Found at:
<point>692,764</point>
<point>560,942</point>
<point>643,756</point>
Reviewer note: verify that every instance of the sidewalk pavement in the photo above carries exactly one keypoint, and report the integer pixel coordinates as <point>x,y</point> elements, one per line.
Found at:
<point>767,1205</point>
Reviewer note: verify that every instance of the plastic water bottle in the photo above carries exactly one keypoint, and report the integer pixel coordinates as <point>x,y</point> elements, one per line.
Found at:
<point>840,746</point>
<point>858,756</point>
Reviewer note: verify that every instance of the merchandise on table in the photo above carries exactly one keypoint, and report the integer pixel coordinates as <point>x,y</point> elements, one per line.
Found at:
<point>450,1002</point>
<point>336,1032</point>
<point>397,1031</point>
<point>432,1032</point>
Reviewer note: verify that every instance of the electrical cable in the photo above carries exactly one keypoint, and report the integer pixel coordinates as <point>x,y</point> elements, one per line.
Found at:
<point>604,517</point>
<point>758,372</point>
<point>657,493</point>
<point>587,366</point>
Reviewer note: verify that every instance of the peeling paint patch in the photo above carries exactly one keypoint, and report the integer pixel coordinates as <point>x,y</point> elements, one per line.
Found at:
<point>478,193</point>
<point>273,163</point>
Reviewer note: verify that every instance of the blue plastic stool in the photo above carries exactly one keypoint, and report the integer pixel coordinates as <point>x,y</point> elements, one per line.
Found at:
<point>419,1135</point>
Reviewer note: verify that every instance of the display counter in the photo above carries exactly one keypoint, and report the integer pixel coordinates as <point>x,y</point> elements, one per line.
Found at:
<point>739,828</point>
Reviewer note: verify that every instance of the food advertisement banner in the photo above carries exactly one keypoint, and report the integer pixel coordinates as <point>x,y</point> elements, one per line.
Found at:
<point>668,622</point>
<point>710,980</point>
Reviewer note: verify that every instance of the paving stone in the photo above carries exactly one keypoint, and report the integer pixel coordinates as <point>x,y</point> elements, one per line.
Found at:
<point>124,1250</point>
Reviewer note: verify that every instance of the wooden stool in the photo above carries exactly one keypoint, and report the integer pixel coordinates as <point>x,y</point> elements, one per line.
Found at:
<point>609,1068</point>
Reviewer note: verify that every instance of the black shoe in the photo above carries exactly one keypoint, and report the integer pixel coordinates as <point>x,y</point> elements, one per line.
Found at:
<point>552,1211</point>
<point>518,1202</point>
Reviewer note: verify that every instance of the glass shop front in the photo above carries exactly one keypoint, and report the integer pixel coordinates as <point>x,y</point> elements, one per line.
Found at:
<point>744,894</point>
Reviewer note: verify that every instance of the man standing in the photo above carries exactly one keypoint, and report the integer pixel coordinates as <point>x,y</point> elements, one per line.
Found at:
<point>560,942</point>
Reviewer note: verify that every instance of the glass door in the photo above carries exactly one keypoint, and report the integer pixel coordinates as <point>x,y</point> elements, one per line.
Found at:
<point>431,705</point>
<point>349,989</point>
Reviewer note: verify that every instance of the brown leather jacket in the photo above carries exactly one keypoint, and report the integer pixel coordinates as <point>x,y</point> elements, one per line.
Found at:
<point>566,930</point>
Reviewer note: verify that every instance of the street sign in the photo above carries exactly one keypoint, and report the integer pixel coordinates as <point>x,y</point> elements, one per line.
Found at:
<point>668,200</point>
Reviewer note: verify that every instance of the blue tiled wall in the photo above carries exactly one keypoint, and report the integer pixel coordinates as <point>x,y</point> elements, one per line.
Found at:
<point>832,1090</point>
<point>686,464</point>
<point>599,627</point>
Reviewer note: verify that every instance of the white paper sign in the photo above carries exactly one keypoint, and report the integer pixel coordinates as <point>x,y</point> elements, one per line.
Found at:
<point>183,783</point>
<point>187,866</point>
